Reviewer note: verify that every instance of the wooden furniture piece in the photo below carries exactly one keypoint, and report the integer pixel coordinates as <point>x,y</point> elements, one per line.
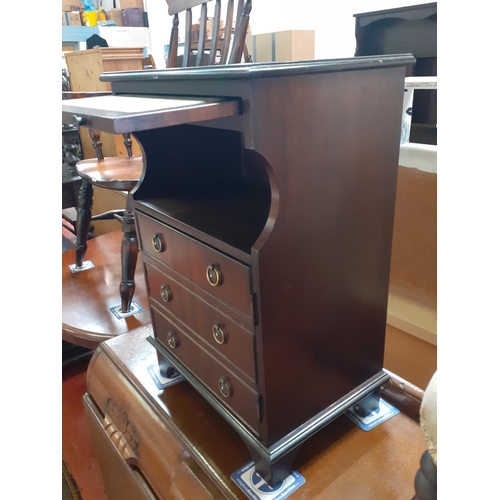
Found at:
<point>228,54</point>
<point>123,173</point>
<point>71,354</point>
<point>79,213</point>
<point>265,221</point>
<point>406,29</point>
<point>170,444</point>
<point>88,297</point>
<point>113,172</point>
<point>85,68</point>
<point>148,62</point>
<point>71,181</point>
<point>116,173</point>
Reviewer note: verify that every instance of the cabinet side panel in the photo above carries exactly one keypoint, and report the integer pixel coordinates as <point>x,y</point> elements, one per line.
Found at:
<point>332,141</point>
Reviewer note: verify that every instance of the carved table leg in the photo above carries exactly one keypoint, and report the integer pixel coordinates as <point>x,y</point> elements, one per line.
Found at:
<point>83,219</point>
<point>128,144</point>
<point>130,250</point>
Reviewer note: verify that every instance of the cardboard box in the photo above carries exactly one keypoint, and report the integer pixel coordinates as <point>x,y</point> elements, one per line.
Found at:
<point>233,27</point>
<point>131,4</point>
<point>210,28</point>
<point>293,45</point>
<point>114,15</point>
<point>71,19</point>
<point>132,17</point>
<point>195,30</point>
<point>223,25</point>
<point>72,5</point>
<point>126,37</point>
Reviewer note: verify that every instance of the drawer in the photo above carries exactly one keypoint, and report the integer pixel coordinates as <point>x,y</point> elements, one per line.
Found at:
<point>218,274</point>
<point>216,330</point>
<point>238,396</point>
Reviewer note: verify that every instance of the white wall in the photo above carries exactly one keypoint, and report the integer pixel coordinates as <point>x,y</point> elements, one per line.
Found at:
<point>160,24</point>
<point>332,21</point>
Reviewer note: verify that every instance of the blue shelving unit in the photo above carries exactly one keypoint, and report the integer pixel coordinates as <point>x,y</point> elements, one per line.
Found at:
<point>74,34</point>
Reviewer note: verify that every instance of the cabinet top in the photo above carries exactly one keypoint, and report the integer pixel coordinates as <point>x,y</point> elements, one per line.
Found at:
<point>261,70</point>
<point>409,13</point>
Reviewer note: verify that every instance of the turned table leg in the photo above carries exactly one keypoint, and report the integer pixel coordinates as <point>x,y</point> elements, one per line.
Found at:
<point>83,220</point>
<point>129,253</point>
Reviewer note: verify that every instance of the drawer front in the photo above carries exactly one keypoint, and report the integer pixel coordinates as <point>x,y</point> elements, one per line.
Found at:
<point>227,388</point>
<point>219,275</point>
<point>221,333</point>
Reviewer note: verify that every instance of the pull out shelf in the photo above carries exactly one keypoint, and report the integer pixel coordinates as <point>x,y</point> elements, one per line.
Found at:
<point>118,114</point>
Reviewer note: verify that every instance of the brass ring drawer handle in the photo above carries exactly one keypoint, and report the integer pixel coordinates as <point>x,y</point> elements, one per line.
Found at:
<point>225,387</point>
<point>165,293</point>
<point>158,243</point>
<point>219,334</point>
<point>172,340</point>
<point>214,276</point>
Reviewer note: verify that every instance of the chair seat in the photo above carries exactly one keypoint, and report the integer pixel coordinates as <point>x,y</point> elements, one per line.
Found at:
<point>120,173</point>
<point>88,296</point>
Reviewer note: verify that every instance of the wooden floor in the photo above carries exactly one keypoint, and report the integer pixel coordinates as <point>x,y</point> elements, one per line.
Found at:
<point>77,448</point>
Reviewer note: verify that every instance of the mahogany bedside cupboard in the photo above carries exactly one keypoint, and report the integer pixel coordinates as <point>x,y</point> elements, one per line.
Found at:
<point>265,217</point>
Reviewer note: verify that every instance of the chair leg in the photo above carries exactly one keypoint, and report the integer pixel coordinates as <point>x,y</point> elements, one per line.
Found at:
<point>83,220</point>
<point>130,250</point>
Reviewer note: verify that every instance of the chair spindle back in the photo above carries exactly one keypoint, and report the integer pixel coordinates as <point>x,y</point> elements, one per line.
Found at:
<point>230,53</point>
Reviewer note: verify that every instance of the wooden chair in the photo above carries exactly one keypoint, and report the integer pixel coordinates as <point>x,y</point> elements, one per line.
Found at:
<point>71,181</point>
<point>123,173</point>
<point>148,62</point>
<point>75,188</point>
<point>231,49</point>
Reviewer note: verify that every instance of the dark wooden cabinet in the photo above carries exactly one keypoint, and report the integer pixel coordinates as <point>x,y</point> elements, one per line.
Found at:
<point>406,29</point>
<point>265,219</point>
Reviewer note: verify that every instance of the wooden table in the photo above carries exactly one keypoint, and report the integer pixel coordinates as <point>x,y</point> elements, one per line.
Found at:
<point>89,295</point>
<point>171,444</point>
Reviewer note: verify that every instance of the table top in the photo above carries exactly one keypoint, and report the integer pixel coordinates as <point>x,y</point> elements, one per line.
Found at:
<point>99,289</point>
<point>196,94</point>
